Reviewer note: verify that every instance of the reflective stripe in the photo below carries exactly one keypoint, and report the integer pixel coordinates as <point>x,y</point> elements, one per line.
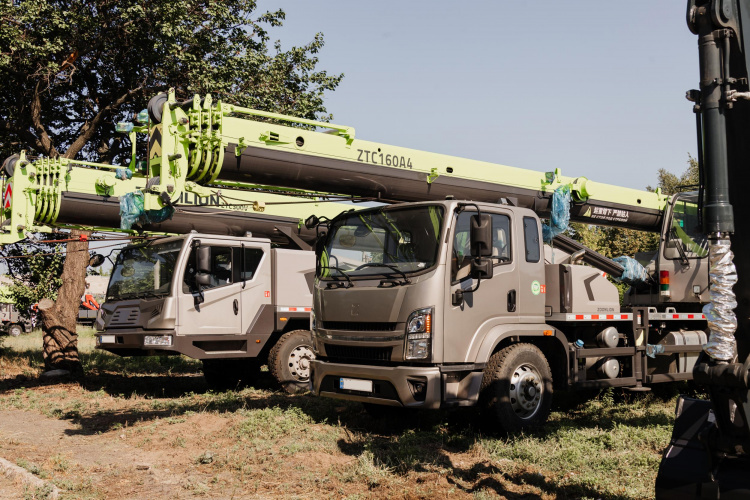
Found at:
<point>295,309</point>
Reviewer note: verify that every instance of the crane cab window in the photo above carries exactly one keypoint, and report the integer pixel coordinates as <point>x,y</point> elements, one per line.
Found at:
<point>685,237</point>
<point>461,251</point>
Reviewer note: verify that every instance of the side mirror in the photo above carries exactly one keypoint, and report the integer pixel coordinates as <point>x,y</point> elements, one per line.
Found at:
<point>482,268</point>
<point>96,260</point>
<point>481,235</point>
<point>203,259</point>
<point>312,222</point>
<point>203,278</point>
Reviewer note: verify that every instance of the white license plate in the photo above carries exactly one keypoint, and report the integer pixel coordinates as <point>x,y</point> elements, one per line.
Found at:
<point>355,384</point>
<point>106,339</point>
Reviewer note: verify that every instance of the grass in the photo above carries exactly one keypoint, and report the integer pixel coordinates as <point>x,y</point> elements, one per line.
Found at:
<point>23,355</point>
<point>605,445</point>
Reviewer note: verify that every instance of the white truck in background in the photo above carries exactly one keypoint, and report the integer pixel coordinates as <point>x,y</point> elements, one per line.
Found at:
<point>235,303</point>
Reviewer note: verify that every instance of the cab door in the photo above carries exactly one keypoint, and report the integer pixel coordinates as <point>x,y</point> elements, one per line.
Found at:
<point>254,274</point>
<point>220,313</point>
<point>496,300</point>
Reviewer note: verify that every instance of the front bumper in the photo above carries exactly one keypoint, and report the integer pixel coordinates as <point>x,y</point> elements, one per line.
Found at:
<point>131,343</point>
<point>392,385</point>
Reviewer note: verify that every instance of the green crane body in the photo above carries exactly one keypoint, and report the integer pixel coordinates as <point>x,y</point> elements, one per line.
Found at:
<point>202,142</point>
<point>47,194</point>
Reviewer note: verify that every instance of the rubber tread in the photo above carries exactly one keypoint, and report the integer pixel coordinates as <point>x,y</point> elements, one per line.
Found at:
<point>497,368</point>
<point>277,366</point>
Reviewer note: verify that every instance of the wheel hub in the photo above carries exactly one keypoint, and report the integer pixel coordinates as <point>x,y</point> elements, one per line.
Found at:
<point>299,362</point>
<point>525,391</point>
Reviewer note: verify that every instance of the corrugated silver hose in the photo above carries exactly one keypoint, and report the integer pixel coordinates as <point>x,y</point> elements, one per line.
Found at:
<point>722,321</point>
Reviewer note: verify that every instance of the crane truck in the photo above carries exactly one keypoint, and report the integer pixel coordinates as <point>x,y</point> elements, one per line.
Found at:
<point>399,317</point>
<point>235,295</point>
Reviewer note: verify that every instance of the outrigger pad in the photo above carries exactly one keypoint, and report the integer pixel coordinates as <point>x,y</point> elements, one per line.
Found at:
<point>686,464</point>
<point>689,469</point>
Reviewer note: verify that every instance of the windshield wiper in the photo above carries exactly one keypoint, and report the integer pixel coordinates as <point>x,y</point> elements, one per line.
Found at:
<point>389,266</point>
<point>337,284</point>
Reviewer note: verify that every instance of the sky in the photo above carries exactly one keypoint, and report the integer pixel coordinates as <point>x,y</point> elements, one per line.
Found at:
<point>594,88</point>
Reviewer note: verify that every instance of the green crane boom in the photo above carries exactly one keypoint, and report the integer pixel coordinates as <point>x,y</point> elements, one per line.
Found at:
<point>203,142</point>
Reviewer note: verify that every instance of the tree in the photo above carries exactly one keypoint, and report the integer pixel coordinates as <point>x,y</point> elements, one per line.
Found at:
<point>72,68</point>
<point>34,269</point>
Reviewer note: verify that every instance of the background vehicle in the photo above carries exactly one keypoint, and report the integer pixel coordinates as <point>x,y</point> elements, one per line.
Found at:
<point>234,303</point>
<point>13,323</point>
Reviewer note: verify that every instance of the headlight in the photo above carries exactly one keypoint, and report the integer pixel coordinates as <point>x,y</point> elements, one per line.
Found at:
<point>419,334</point>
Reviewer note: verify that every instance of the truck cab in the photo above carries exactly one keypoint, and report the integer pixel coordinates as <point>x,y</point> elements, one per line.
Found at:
<point>453,303</point>
<point>232,302</point>
<point>402,316</point>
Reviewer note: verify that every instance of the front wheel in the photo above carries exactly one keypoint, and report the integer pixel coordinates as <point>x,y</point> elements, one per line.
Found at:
<point>517,388</point>
<point>15,330</point>
<point>289,361</point>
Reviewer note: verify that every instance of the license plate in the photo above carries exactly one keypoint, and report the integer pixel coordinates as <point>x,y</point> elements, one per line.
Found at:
<point>355,384</point>
<point>106,339</point>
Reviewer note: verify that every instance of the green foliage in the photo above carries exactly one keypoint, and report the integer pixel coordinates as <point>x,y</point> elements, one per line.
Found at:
<point>35,277</point>
<point>72,69</point>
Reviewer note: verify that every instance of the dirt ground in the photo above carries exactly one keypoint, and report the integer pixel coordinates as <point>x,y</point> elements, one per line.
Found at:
<point>150,428</point>
<point>103,454</point>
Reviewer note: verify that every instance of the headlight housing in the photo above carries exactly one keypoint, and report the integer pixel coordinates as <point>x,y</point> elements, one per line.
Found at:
<point>419,334</point>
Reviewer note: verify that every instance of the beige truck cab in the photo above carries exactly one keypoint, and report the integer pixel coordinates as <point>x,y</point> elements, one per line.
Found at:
<point>453,303</point>
<point>235,303</point>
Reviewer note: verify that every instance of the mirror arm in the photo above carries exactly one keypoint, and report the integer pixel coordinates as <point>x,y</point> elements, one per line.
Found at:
<point>458,295</point>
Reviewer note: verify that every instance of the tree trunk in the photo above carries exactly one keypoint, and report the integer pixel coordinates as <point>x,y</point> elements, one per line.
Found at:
<point>59,318</point>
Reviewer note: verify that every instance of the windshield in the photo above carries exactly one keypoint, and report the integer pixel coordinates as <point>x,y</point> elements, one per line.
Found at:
<point>382,242</point>
<point>144,271</point>
<point>686,230</point>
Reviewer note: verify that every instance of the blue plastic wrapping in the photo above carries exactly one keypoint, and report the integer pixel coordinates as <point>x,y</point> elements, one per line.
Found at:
<point>124,127</point>
<point>123,173</point>
<point>559,215</point>
<point>633,271</point>
<point>132,211</point>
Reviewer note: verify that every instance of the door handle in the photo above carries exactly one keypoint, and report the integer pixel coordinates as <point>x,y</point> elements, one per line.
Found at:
<point>512,301</point>
<point>236,306</point>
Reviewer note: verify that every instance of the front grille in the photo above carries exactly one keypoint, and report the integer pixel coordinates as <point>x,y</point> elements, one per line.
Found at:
<point>124,317</point>
<point>355,326</point>
<point>345,352</point>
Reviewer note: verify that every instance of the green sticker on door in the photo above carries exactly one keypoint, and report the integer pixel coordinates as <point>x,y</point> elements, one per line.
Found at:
<point>535,287</point>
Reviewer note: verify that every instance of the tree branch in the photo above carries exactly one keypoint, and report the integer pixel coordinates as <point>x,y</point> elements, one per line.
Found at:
<point>89,129</point>
<point>36,119</point>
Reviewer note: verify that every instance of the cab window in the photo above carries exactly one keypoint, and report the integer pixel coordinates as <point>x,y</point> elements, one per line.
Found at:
<point>220,273</point>
<point>531,239</point>
<point>461,251</point>
<point>246,261</point>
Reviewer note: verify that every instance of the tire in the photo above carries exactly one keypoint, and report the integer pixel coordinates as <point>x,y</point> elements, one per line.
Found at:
<point>289,361</point>
<point>230,374</point>
<point>15,330</point>
<point>516,390</point>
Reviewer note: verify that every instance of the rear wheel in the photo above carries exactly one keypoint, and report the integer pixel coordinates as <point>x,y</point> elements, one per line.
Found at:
<point>517,388</point>
<point>230,374</point>
<point>15,330</point>
<point>289,361</point>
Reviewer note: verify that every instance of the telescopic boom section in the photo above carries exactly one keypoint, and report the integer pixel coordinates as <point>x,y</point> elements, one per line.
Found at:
<point>203,141</point>
<point>46,194</point>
